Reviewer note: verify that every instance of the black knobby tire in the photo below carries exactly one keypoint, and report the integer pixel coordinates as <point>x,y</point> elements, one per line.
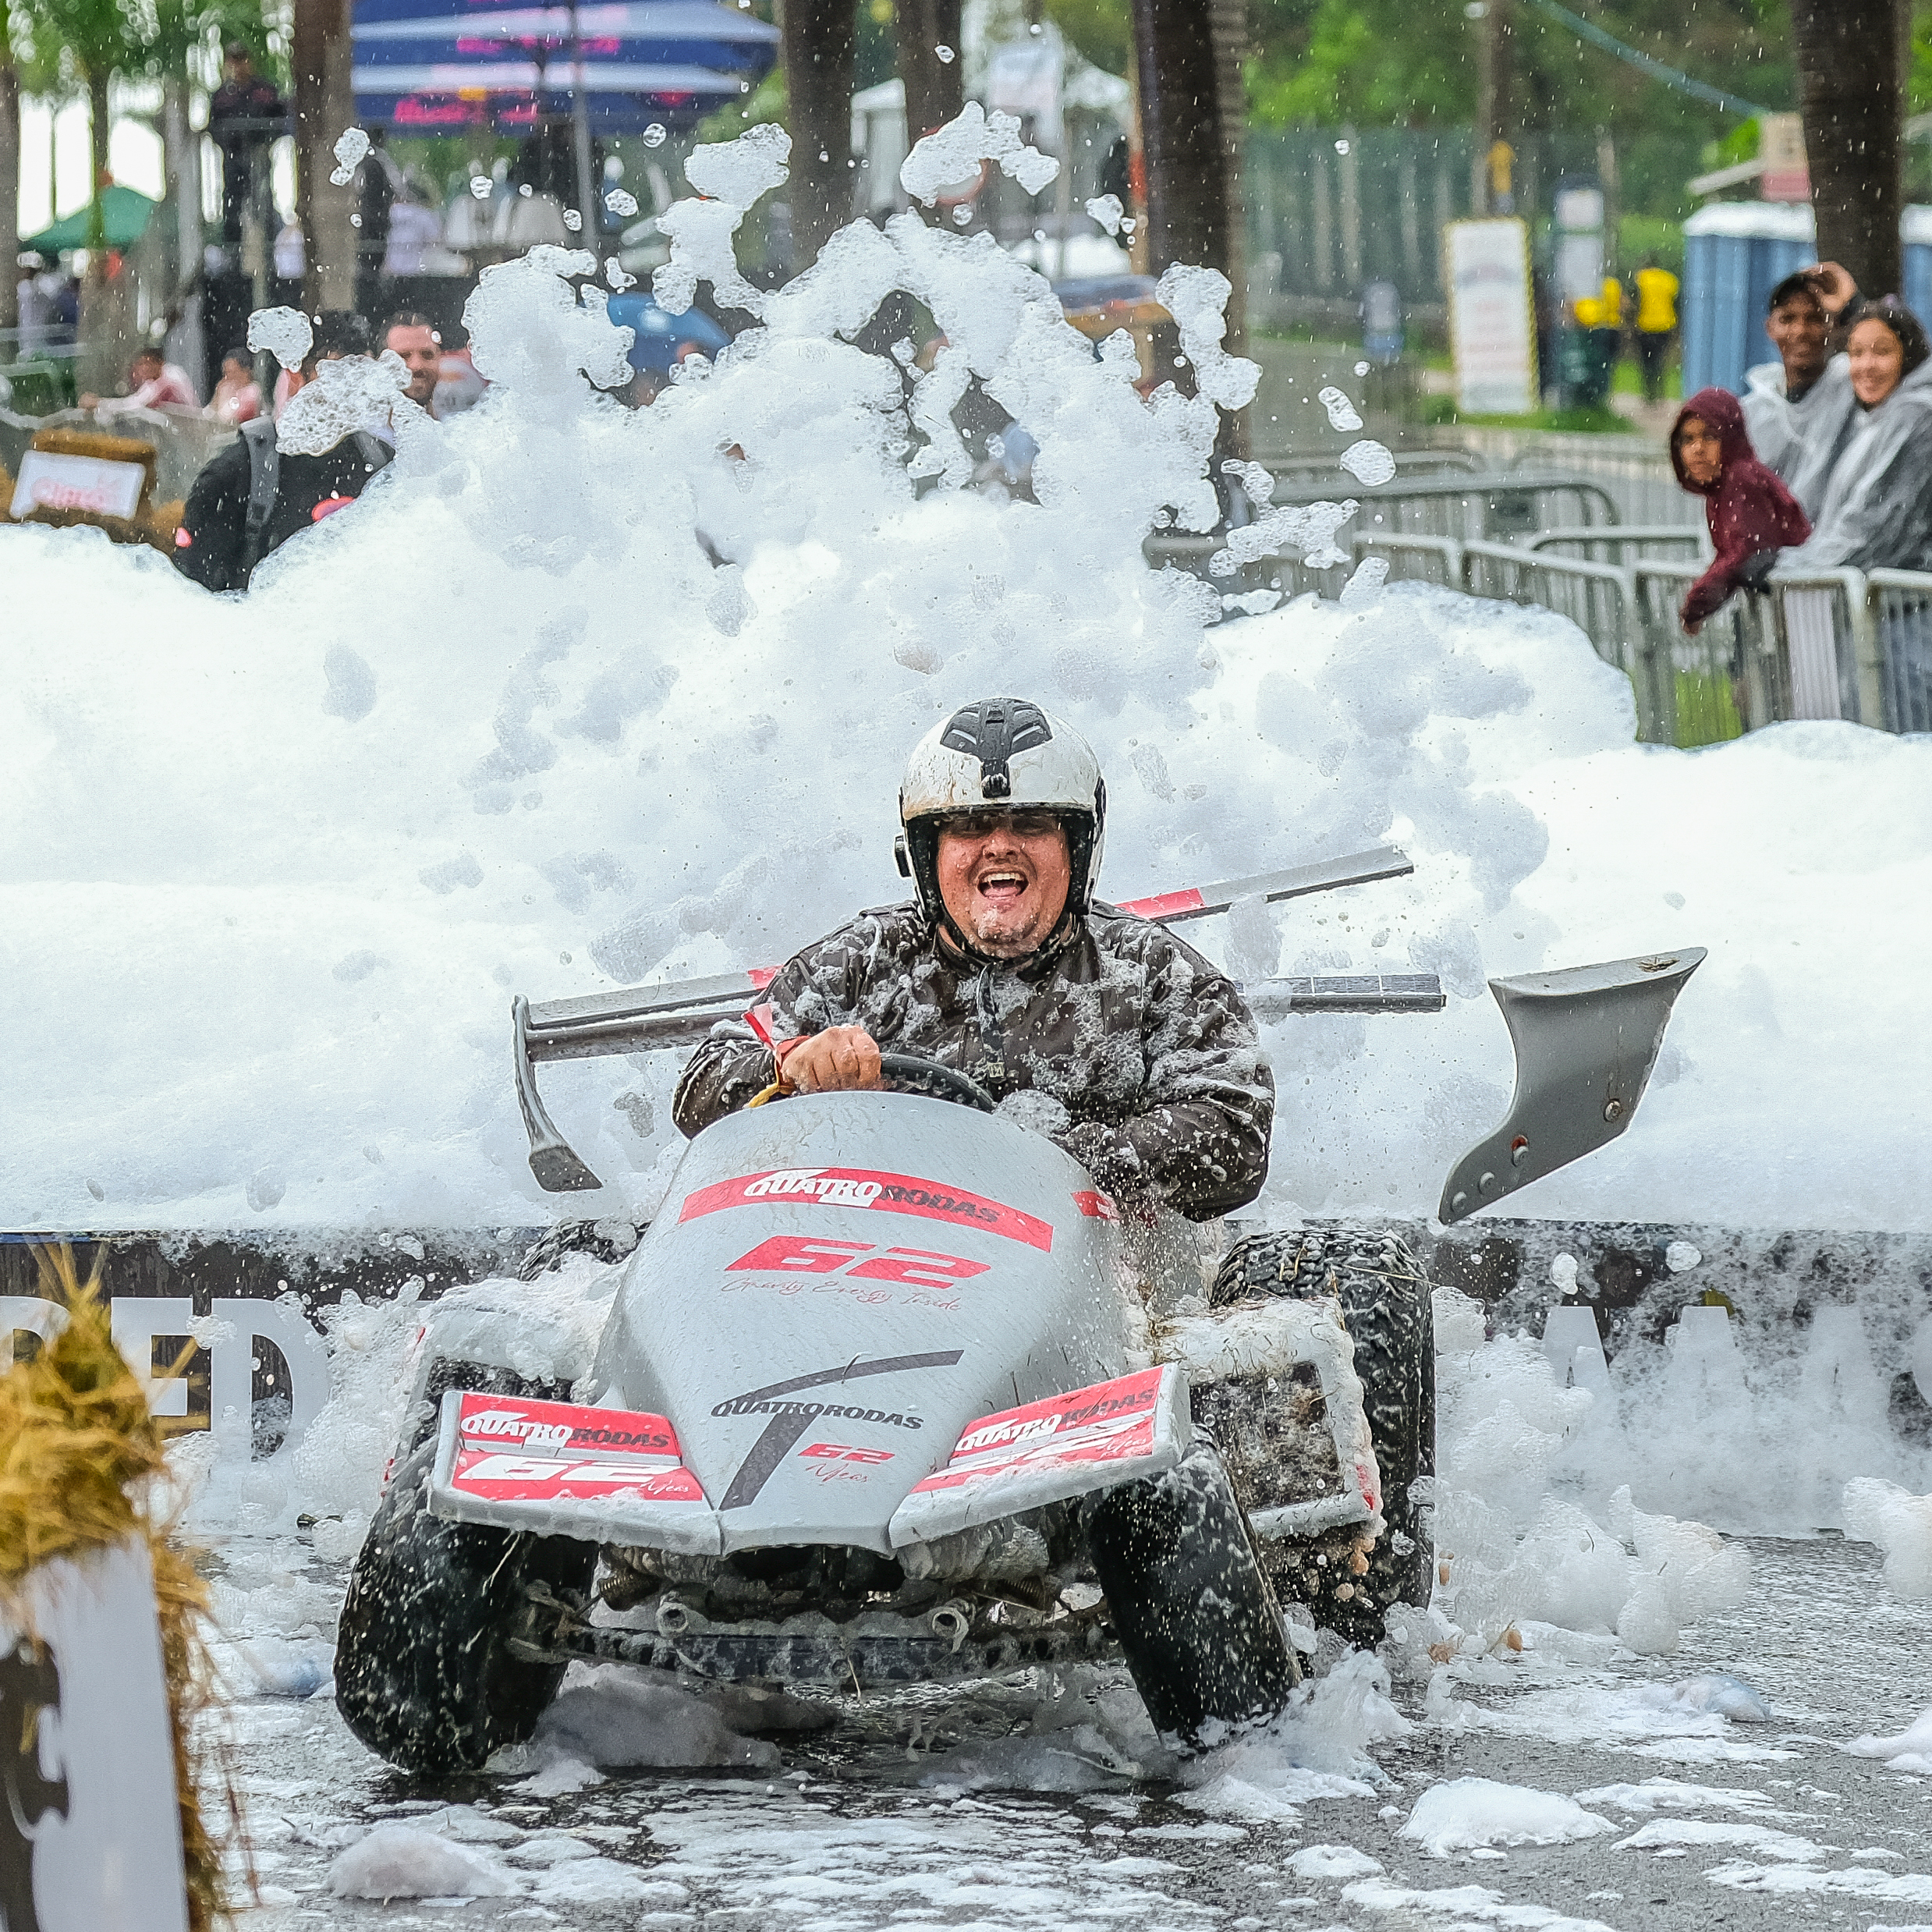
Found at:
<point>1386,1307</point>
<point>1186,1594</point>
<point>424,1673</point>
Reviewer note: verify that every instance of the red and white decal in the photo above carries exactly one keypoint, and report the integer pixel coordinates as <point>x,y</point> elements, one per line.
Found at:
<point>842,1452</point>
<point>1108,1422</point>
<point>808,1254</point>
<point>1165,905</point>
<point>1096,1206</point>
<point>513,1448</point>
<point>869,1187</point>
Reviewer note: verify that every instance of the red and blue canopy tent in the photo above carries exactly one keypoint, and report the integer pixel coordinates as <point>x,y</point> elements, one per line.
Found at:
<point>430,66</point>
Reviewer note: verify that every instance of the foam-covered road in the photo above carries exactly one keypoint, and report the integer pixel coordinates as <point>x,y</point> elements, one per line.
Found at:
<point>913,1816</point>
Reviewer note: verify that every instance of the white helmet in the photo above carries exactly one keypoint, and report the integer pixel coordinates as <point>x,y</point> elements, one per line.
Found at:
<point>1000,754</point>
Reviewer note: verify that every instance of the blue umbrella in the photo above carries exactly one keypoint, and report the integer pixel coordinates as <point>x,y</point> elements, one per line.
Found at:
<point>670,33</point>
<point>435,64</point>
<point>657,337</point>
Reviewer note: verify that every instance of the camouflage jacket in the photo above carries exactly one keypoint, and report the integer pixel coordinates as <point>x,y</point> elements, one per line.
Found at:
<point>1145,1057</point>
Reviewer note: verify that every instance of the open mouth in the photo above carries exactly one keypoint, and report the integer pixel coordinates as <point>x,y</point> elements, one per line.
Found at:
<point>1001,888</point>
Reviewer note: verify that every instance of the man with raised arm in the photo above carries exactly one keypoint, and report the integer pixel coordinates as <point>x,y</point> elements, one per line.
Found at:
<point>1132,1052</point>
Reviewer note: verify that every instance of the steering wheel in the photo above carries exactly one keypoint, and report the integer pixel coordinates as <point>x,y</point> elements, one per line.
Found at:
<point>913,1073</point>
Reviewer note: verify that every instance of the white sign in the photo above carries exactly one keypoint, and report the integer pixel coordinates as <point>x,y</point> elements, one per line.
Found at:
<point>50,481</point>
<point>1492,331</point>
<point>90,1823</point>
<point>229,1335</point>
<point>1580,210</point>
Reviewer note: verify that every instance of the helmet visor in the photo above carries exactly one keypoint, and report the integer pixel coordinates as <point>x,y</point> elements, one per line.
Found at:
<point>1031,822</point>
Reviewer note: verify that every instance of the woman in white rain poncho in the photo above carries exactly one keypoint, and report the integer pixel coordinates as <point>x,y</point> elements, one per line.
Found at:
<point>1876,510</point>
<point>1876,513</point>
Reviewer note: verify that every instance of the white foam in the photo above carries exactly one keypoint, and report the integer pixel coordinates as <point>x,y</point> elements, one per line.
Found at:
<point>1901,1524</point>
<point>1464,1904</point>
<point>1676,1834</point>
<point>400,1861</point>
<point>1911,1750</point>
<point>462,678</point>
<point>611,1717</point>
<point>1472,1814</point>
<point>286,331</point>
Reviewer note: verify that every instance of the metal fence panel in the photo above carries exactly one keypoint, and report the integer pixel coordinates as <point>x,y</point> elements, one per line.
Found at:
<point>1901,617</point>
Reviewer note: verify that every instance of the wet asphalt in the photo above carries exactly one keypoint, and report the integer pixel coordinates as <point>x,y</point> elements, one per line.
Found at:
<point>844,1836</point>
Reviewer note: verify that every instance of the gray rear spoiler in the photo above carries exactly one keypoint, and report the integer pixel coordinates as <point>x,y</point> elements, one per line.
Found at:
<point>1585,1040</point>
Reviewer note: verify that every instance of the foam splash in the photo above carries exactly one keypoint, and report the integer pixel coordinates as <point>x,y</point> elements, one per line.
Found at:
<point>520,730</point>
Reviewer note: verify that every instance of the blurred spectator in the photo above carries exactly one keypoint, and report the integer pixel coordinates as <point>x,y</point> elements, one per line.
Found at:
<point>415,234</point>
<point>1799,408</point>
<point>34,294</point>
<point>291,252</point>
<point>237,398</point>
<point>153,381</point>
<point>413,338</point>
<point>1750,514</point>
<point>1876,510</point>
<point>240,113</point>
<point>1607,330</point>
<point>378,180</point>
<point>1656,324</point>
<point>252,495</point>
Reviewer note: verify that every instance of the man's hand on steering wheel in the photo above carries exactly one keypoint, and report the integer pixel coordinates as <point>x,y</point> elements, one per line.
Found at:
<point>841,1059</point>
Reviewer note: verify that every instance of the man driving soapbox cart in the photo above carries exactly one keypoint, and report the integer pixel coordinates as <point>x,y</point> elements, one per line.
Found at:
<point>929,1367</point>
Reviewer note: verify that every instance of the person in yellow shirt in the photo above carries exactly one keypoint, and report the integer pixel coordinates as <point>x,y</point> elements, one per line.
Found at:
<point>1603,318</point>
<point>1656,324</point>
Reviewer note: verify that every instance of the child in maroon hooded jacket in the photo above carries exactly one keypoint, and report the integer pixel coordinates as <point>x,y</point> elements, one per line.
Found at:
<point>1751,514</point>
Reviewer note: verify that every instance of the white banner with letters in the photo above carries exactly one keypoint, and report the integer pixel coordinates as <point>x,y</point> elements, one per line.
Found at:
<point>1492,323</point>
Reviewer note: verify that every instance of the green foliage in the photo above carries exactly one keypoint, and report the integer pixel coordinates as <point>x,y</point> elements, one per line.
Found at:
<point>1384,63</point>
<point>767,101</point>
<point>1100,30</point>
<point>1641,235</point>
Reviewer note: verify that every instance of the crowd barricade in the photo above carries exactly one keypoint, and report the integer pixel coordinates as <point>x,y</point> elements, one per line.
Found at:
<point>1834,644</point>
<point>1617,543</point>
<point>1900,602</point>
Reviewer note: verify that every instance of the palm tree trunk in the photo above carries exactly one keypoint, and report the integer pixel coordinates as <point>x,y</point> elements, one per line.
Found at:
<point>935,89</point>
<point>98,364</point>
<point>10,181</point>
<point>97,130</point>
<point>324,107</point>
<point>1850,93</point>
<point>819,45</point>
<point>1189,133</point>
<point>182,152</point>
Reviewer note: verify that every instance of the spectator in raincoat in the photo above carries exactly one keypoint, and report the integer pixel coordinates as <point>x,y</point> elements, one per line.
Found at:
<point>1875,508</point>
<point>1797,408</point>
<point>1752,515</point>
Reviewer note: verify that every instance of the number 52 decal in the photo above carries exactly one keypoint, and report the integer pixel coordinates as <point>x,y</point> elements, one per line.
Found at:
<point>857,1260</point>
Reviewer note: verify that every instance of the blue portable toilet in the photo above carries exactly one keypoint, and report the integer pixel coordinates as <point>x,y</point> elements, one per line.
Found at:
<point>1735,254</point>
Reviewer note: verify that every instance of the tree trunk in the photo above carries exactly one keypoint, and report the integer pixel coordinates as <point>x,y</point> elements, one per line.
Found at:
<point>324,107</point>
<point>1228,23</point>
<point>182,151</point>
<point>935,89</point>
<point>819,39</point>
<point>9,181</point>
<point>1851,94</point>
<point>1186,134</point>
<point>98,361</point>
